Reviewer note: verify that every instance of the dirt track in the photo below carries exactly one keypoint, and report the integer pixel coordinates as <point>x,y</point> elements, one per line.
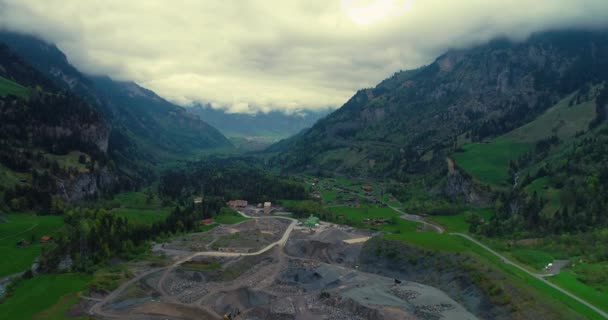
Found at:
<point>283,280</point>
<point>96,309</point>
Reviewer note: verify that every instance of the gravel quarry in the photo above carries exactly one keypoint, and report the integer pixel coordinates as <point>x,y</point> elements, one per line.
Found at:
<point>269,268</point>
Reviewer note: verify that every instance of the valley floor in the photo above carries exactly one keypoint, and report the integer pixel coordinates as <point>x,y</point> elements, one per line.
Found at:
<point>270,266</point>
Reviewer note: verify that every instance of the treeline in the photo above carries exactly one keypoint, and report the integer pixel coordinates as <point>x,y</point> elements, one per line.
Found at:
<point>92,236</point>
<point>234,178</point>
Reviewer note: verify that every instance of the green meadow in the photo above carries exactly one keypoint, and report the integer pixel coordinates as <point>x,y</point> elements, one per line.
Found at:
<point>43,295</point>
<point>21,226</point>
<point>489,162</point>
<point>8,87</point>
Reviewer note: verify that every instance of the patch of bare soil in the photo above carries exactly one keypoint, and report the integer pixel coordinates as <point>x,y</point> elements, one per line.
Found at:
<point>172,311</point>
<point>314,276</point>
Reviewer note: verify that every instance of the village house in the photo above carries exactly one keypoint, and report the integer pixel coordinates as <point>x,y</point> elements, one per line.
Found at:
<point>267,207</point>
<point>206,222</point>
<point>367,188</point>
<point>238,203</point>
<point>45,239</point>
<point>198,200</point>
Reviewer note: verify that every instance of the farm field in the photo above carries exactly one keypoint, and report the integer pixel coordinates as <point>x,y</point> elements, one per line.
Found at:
<point>20,226</point>
<point>457,222</point>
<point>43,295</point>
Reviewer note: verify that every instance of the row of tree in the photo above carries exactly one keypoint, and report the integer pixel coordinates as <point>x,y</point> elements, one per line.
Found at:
<point>234,178</point>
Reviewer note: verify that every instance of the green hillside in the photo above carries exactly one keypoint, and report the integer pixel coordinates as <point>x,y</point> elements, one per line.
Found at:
<point>489,161</point>
<point>8,87</point>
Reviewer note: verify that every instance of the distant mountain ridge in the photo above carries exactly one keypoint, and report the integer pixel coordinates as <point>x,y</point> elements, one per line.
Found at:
<point>410,122</point>
<point>261,127</point>
<point>144,128</point>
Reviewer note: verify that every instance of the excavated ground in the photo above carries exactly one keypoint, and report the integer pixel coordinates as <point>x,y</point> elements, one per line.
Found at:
<point>248,236</point>
<point>315,276</point>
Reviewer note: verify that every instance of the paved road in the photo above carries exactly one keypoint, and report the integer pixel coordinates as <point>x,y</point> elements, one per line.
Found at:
<point>541,277</point>
<point>537,276</point>
<point>417,218</point>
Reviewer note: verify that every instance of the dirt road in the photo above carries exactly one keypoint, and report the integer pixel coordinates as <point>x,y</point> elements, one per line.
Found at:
<point>96,309</point>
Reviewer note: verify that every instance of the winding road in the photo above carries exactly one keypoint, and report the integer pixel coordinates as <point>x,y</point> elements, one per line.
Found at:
<point>419,219</point>
<point>540,277</point>
<point>96,309</point>
<point>440,229</point>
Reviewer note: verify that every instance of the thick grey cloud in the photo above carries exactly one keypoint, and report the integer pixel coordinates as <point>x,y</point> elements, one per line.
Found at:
<point>288,55</point>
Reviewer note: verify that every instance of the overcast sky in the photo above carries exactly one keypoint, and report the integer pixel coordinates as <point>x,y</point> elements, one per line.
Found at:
<point>276,54</point>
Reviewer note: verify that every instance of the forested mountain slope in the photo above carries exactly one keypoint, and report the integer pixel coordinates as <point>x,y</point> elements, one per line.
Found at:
<point>53,145</point>
<point>144,128</point>
<point>409,123</point>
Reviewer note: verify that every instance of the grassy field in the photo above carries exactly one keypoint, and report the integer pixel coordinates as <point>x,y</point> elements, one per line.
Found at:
<point>44,295</point>
<point>524,279</point>
<point>59,309</point>
<point>27,227</point>
<point>457,223</point>
<point>568,280</point>
<point>9,87</point>
<point>229,216</point>
<point>430,241</point>
<point>563,120</point>
<point>355,216</point>
<point>70,160</point>
<point>489,162</point>
<point>536,259</point>
<point>142,216</point>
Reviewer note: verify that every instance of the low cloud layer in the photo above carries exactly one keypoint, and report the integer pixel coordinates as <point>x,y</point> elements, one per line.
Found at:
<point>277,55</point>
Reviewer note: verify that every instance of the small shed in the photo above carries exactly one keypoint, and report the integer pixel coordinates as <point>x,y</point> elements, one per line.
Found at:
<point>311,222</point>
<point>45,239</point>
<point>206,222</point>
<point>367,188</point>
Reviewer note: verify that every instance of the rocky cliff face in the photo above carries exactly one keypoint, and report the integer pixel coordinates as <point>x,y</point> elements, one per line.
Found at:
<point>459,186</point>
<point>42,130</point>
<point>86,185</point>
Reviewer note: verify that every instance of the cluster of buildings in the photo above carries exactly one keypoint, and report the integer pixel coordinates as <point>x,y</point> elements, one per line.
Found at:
<point>237,203</point>
<point>376,222</point>
<point>267,206</point>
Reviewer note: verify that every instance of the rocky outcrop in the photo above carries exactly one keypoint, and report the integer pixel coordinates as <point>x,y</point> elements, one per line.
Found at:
<point>482,290</point>
<point>459,186</point>
<point>86,185</point>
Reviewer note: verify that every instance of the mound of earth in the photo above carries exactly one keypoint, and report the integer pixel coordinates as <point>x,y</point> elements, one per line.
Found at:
<point>240,299</point>
<point>327,246</point>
